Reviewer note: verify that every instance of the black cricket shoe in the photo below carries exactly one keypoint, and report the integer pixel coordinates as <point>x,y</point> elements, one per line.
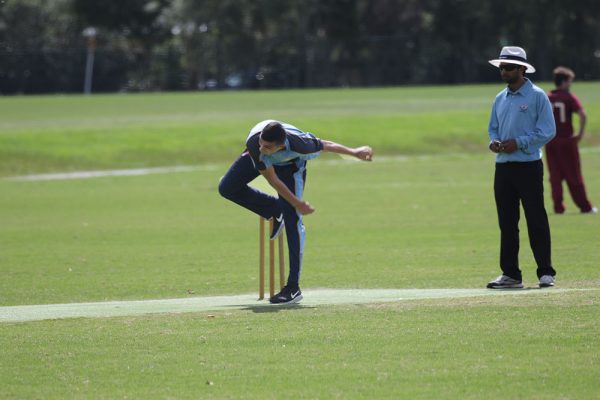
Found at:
<point>277,227</point>
<point>287,296</point>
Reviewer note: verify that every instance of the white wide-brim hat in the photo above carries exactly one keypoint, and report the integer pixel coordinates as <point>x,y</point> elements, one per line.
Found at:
<point>513,55</point>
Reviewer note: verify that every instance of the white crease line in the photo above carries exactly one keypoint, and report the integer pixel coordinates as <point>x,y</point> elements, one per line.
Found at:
<point>148,171</point>
<point>117,172</point>
<point>213,167</point>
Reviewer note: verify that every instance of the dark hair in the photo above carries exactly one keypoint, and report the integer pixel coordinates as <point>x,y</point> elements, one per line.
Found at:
<point>562,74</point>
<point>559,79</point>
<point>273,132</point>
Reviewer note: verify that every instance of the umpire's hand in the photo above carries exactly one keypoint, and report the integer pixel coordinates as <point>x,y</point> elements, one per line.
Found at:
<point>508,146</point>
<point>495,146</point>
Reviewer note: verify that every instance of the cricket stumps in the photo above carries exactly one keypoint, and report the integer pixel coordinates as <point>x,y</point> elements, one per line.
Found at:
<point>261,261</point>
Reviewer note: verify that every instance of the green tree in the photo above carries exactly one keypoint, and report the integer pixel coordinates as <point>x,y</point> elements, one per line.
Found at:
<point>32,36</point>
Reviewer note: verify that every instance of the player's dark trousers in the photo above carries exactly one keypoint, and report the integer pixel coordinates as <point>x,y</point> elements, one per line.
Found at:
<point>234,186</point>
<point>564,164</point>
<point>518,183</point>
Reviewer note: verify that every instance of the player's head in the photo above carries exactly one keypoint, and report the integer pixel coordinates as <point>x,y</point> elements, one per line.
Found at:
<point>272,138</point>
<point>563,77</point>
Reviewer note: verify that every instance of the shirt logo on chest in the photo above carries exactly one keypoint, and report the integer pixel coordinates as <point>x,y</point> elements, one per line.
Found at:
<point>523,107</point>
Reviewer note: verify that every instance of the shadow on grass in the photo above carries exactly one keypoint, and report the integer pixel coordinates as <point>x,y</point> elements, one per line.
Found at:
<point>273,308</point>
<point>528,288</point>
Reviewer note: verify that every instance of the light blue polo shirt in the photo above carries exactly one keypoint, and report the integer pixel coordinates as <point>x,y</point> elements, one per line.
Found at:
<point>287,156</point>
<point>299,147</point>
<point>524,115</point>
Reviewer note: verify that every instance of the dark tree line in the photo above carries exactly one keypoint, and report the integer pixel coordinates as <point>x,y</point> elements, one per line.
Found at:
<point>190,45</point>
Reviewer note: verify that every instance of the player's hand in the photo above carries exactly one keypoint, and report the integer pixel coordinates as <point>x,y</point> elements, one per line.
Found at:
<point>508,146</point>
<point>304,208</point>
<point>578,138</point>
<point>364,153</point>
<point>495,146</point>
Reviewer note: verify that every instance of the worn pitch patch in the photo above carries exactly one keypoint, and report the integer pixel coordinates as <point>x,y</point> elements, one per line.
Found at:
<point>312,297</point>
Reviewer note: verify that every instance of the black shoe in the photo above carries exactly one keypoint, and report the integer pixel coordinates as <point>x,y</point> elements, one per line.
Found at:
<point>277,227</point>
<point>287,296</point>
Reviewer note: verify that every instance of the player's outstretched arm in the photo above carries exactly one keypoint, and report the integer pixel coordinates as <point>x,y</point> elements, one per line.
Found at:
<point>364,153</point>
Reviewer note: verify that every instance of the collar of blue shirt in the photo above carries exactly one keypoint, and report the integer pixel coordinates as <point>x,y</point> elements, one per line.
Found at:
<point>523,90</point>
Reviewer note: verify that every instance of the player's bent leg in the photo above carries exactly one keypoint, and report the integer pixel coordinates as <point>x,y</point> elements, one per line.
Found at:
<point>234,186</point>
<point>278,225</point>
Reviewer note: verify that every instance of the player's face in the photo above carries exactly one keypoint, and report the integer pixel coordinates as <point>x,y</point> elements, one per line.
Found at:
<point>268,148</point>
<point>510,73</point>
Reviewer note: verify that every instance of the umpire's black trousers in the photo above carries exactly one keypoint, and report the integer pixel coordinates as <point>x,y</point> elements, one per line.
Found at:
<point>514,183</point>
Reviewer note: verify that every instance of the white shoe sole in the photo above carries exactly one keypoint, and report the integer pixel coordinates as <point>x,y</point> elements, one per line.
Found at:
<point>513,286</point>
<point>546,285</point>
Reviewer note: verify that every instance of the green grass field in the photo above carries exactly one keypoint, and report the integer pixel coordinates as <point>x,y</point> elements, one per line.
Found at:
<point>421,215</point>
<point>59,133</point>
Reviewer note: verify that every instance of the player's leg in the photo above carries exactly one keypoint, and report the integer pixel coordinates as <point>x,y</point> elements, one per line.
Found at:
<point>294,177</point>
<point>531,191</point>
<point>234,187</point>
<point>556,175</point>
<point>574,177</point>
<point>507,207</point>
<point>294,229</point>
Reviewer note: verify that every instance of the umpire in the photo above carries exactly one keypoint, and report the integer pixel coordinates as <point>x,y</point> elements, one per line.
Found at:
<point>521,123</point>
